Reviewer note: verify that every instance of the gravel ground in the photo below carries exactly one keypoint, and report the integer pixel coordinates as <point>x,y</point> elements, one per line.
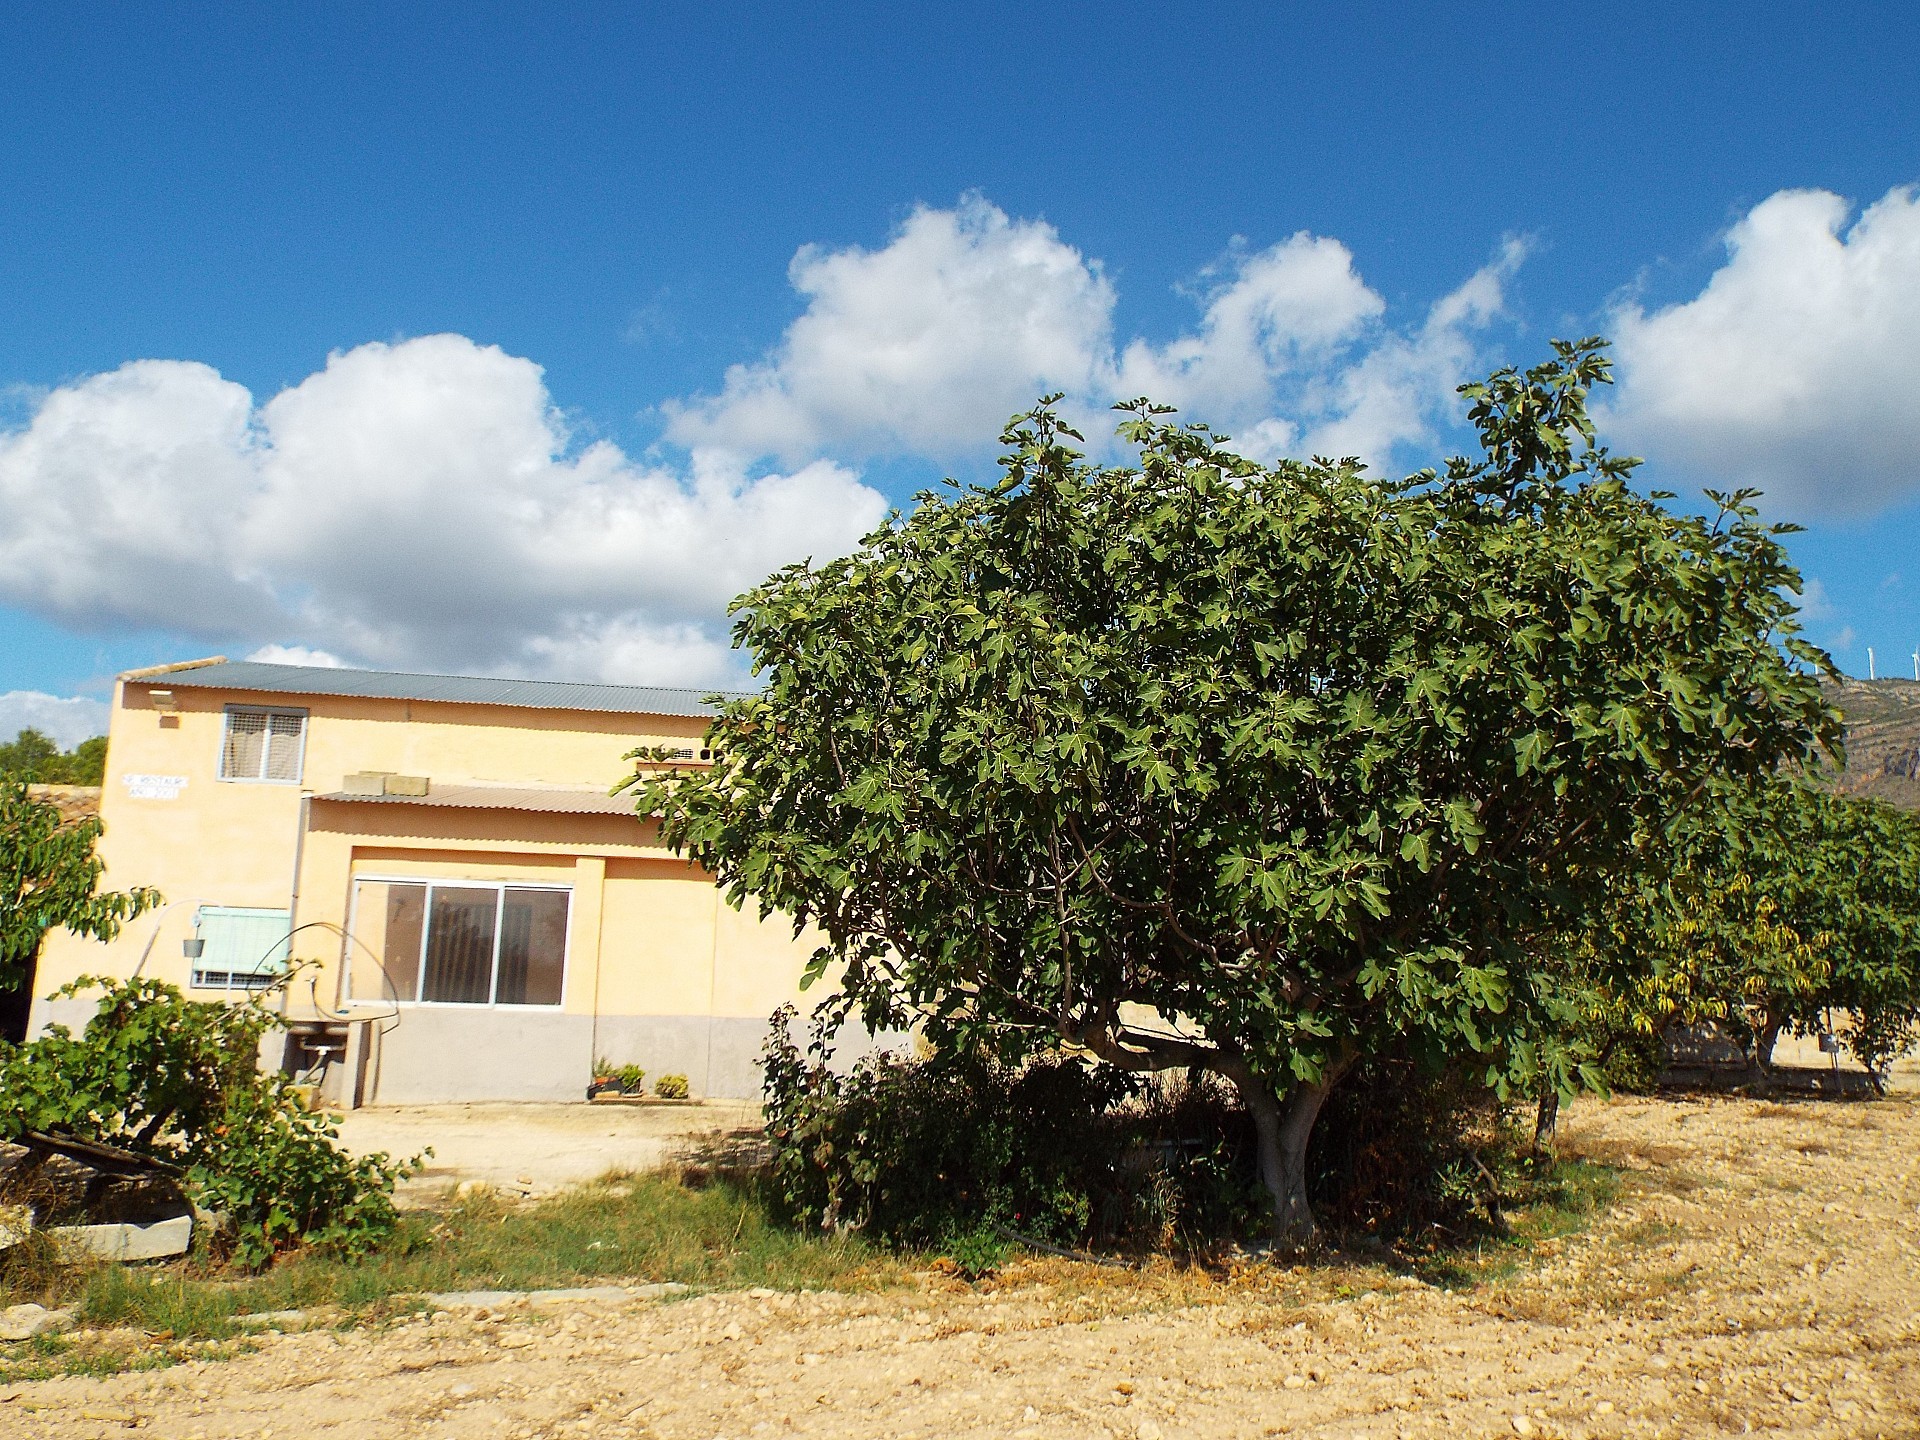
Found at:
<point>1759,1274</point>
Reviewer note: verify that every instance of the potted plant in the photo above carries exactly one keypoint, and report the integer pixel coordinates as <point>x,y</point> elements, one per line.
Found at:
<point>633,1080</point>
<point>670,1087</point>
<point>605,1079</point>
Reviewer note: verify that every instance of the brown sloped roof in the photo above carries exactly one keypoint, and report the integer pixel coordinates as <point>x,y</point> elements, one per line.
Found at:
<point>74,802</point>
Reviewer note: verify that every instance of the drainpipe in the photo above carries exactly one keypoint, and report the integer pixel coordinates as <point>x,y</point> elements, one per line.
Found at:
<point>293,889</point>
<point>713,985</point>
<point>599,963</point>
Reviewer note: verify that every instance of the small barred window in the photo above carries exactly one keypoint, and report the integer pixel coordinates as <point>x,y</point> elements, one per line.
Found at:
<point>263,745</point>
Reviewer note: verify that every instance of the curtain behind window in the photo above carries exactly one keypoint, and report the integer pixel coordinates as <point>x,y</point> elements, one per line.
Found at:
<point>262,746</point>
<point>246,744</point>
<point>533,947</point>
<point>282,760</point>
<point>459,966</point>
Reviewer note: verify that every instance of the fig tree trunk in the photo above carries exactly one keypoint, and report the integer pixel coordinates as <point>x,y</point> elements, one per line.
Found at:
<point>1764,1041</point>
<point>1282,1126</point>
<point>1546,1121</point>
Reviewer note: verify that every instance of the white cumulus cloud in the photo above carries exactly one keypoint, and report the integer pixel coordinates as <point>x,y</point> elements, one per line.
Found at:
<point>1285,309</point>
<point>1401,391</point>
<point>421,504</point>
<point>411,505</point>
<point>926,345</point>
<point>67,720</point>
<point>297,655</point>
<point>1796,368</point>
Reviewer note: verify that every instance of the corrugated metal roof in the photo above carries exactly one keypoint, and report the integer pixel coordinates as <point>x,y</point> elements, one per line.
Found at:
<point>456,689</point>
<point>553,801</point>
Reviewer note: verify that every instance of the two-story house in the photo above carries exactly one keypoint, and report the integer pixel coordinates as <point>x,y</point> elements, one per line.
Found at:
<point>469,913</point>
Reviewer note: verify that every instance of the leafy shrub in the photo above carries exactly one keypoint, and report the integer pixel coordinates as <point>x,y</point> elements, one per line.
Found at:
<point>977,1253</point>
<point>151,1072</point>
<point>277,1170</point>
<point>1405,1150</point>
<point>956,1150</point>
<point>918,1151</point>
<point>176,1080</point>
<point>671,1087</point>
<point>631,1078</point>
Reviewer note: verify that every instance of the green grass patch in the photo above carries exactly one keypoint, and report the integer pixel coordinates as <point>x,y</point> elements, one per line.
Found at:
<point>640,1228</point>
<point>1559,1201</point>
<point>647,1228</point>
<point>1573,1192</point>
<point>624,1229</point>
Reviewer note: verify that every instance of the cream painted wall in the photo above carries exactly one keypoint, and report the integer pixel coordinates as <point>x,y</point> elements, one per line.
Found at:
<point>650,942</point>
<point>759,962</point>
<point>656,940</point>
<point>216,842</point>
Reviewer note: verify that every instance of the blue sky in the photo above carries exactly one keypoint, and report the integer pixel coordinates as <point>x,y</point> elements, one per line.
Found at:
<point>503,338</point>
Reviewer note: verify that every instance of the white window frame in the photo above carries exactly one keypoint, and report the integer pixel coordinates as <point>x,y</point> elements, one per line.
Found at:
<point>451,882</point>
<point>266,749</point>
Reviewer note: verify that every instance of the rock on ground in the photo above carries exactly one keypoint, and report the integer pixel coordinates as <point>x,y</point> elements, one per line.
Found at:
<point>24,1322</point>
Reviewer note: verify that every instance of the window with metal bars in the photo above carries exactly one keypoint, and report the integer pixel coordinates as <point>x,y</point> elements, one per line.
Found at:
<point>263,745</point>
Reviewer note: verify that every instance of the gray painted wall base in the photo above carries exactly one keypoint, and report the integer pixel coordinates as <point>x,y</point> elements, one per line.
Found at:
<point>719,1055</point>
<point>429,1056</point>
<point>435,1056</point>
<point>426,1055</point>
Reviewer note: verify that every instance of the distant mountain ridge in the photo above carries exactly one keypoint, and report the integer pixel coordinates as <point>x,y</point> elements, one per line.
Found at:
<point>1883,740</point>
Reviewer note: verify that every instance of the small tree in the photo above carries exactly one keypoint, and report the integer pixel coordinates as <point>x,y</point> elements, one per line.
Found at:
<point>85,764</point>
<point>1780,905</point>
<point>1674,948</point>
<point>1203,764</point>
<point>50,877</point>
<point>177,1079</point>
<point>28,755</point>
<point>1844,872</point>
<point>33,756</point>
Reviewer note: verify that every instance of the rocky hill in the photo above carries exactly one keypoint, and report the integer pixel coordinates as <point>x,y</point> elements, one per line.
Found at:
<point>1883,740</point>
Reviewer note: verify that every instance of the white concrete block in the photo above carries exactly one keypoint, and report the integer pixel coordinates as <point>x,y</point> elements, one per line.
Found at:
<point>129,1242</point>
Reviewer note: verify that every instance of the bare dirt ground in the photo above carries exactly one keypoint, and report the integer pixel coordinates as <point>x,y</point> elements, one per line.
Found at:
<point>1760,1273</point>
<point>534,1149</point>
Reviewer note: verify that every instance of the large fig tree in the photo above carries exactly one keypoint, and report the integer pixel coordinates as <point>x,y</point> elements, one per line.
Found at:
<point>1200,763</point>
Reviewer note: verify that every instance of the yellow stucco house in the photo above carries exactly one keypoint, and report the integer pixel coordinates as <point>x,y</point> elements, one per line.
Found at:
<point>485,918</point>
